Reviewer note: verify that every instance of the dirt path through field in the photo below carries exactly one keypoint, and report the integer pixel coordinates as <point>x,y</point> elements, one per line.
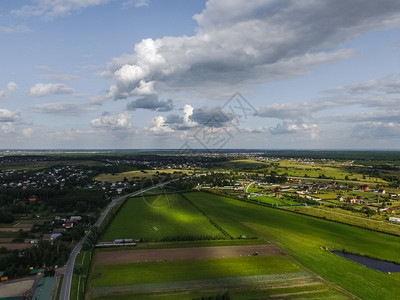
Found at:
<point>131,256</point>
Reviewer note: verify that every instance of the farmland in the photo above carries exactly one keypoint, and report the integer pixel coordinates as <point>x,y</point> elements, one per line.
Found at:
<point>142,174</point>
<point>216,202</point>
<point>164,216</point>
<point>305,239</point>
<point>274,274</point>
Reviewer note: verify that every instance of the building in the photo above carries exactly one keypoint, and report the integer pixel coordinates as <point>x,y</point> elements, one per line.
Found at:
<point>351,200</point>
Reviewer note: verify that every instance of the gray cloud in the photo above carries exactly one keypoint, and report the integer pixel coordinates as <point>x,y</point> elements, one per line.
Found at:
<point>286,128</point>
<point>386,85</point>
<point>376,130</point>
<point>211,116</point>
<point>241,43</point>
<point>174,119</point>
<point>151,102</point>
<point>62,108</point>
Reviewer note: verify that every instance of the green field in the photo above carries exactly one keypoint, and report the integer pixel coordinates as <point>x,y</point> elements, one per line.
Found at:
<point>316,169</point>
<point>244,277</point>
<point>165,271</point>
<point>143,174</point>
<point>306,239</point>
<point>274,200</point>
<point>159,217</point>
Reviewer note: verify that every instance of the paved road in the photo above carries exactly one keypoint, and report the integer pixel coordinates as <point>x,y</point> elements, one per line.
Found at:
<point>69,269</point>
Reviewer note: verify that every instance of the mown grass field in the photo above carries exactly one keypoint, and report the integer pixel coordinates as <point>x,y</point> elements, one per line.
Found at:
<point>160,216</point>
<point>245,277</point>
<point>190,270</point>
<point>306,239</point>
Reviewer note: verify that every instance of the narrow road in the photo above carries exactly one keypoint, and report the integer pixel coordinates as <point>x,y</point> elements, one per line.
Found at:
<point>69,269</point>
<point>247,187</point>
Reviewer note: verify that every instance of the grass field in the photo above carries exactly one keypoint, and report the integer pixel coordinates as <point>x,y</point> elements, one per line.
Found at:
<point>190,270</point>
<point>331,170</point>
<point>274,200</point>
<point>136,175</point>
<point>244,277</point>
<point>306,239</point>
<point>348,217</point>
<point>158,217</point>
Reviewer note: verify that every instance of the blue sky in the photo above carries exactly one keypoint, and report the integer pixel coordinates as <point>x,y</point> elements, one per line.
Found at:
<point>161,74</point>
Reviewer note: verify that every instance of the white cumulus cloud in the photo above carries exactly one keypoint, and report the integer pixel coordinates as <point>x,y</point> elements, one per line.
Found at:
<point>48,89</point>
<point>242,42</point>
<point>107,122</point>
<point>11,87</point>
<point>8,116</point>
<point>157,125</point>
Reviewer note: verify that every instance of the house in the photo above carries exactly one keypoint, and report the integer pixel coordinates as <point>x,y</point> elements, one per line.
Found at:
<point>382,191</point>
<point>351,200</point>
<point>339,198</point>
<point>277,195</point>
<point>68,224</point>
<point>53,236</point>
<point>390,210</point>
<point>364,187</point>
<point>75,218</point>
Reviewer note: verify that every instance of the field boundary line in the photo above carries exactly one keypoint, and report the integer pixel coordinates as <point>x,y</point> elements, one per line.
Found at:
<point>215,224</point>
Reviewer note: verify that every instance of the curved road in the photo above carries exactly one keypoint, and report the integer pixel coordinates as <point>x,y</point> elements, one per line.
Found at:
<point>69,269</point>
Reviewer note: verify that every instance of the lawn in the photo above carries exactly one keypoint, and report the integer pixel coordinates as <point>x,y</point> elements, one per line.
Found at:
<point>159,217</point>
<point>307,238</point>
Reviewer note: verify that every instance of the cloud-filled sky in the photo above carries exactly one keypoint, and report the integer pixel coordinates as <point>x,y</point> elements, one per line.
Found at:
<point>265,74</point>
